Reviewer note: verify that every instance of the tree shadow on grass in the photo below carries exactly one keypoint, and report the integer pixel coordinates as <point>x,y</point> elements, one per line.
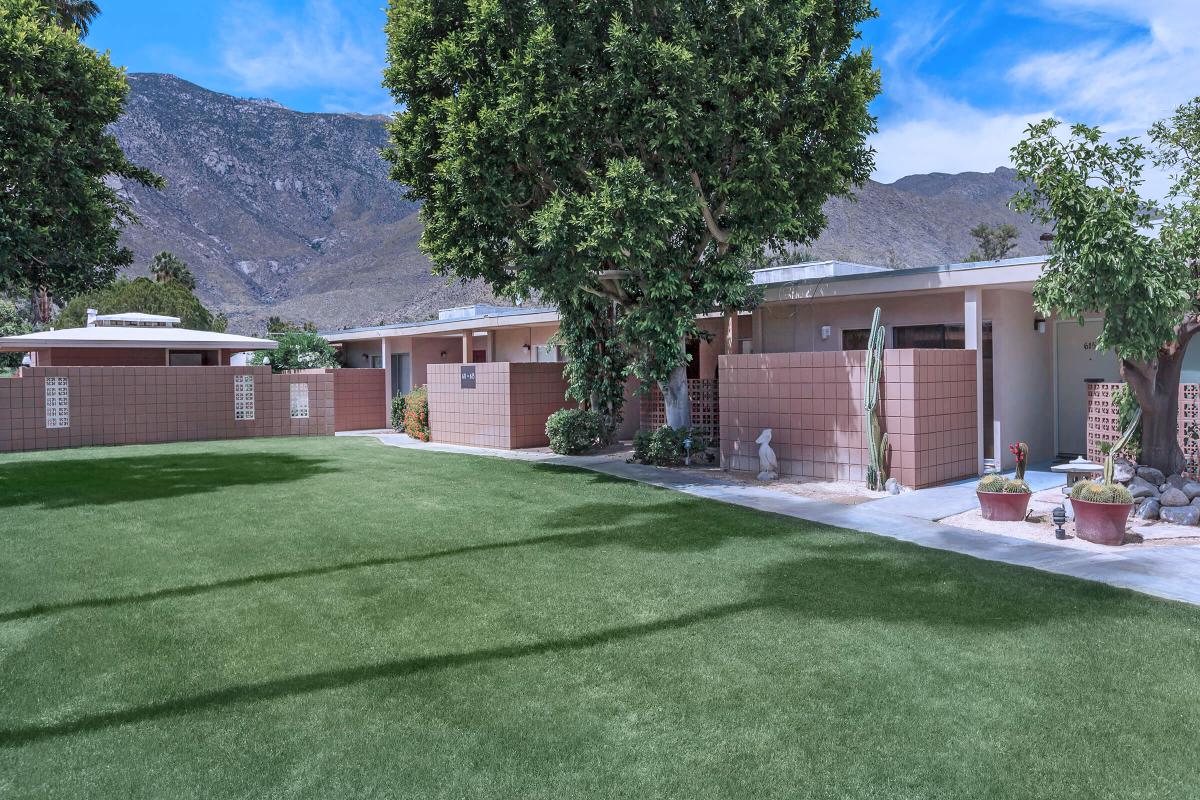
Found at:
<point>856,581</point>
<point>74,482</point>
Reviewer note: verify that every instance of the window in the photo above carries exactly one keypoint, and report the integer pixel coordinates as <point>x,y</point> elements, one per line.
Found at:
<point>299,404</point>
<point>58,403</point>
<point>929,337</point>
<point>855,338</point>
<point>243,397</point>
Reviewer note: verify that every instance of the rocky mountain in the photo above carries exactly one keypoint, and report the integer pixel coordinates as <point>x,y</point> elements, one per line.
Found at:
<point>292,214</point>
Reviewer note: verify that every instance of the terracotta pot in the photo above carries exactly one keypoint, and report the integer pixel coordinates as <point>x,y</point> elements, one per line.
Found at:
<point>1102,523</point>
<point>1003,506</point>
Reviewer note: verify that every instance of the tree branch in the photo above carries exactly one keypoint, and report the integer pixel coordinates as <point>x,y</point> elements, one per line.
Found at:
<point>710,221</point>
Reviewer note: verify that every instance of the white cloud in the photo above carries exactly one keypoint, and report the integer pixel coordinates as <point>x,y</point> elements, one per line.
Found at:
<point>320,45</point>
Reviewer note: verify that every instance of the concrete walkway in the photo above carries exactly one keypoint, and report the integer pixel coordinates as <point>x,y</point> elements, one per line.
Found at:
<point>1168,572</point>
<point>953,498</point>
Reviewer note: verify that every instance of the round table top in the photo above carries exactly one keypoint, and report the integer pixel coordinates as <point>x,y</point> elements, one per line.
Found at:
<point>1078,466</point>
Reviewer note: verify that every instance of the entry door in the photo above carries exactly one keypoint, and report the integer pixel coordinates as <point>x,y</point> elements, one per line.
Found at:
<point>401,373</point>
<point>1079,361</point>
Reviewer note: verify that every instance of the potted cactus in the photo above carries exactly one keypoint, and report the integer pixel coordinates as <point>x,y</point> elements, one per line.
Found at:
<point>1102,508</point>
<point>1002,499</point>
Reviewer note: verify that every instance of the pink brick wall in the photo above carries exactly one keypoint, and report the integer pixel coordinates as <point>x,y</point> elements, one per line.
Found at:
<point>507,409</point>
<point>359,399</point>
<point>813,403</point>
<point>1103,423</point>
<point>128,405</point>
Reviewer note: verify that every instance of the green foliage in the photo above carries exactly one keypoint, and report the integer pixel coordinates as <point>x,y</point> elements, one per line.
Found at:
<point>993,482</point>
<point>1096,492</point>
<point>299,350</point>
<point>1017,486</point>
<point>665,446</point>
<point>73,15</point>
<point>166,267</point>
<point>398,406</point>
<point>993,243</point>
<point>575,430</point>
<point>649,153</point>
<point>597,360</point>
<point>278,325</point>
<point>60,215</point>
<point>1127,406</point>
<point>416,414</point>
<point>145,296</point>
<point>12,323</point>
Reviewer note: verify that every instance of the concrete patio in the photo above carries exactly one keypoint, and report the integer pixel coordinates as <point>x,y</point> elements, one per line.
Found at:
<point>1172,573</point>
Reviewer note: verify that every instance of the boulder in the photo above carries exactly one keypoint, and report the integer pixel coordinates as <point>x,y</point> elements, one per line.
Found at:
<point>1148,510</point>
<point>1188,515</point>
<point>1151,475</point>
<point>1140,487</point>
<point>1177,481</point>
<point>1174,497</point>
<point>1195,502</point>
<point>892,486</point>
<point>1191,489</point>
<point>1123,470</point>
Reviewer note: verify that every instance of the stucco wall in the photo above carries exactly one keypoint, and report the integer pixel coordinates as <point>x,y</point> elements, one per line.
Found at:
<point>1022,376</point>
<point>796,327</point>
<point>813,403</point>
<point>129,405</point>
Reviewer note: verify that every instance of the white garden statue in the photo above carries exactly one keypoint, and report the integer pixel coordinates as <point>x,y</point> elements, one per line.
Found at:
<point>768,464</point>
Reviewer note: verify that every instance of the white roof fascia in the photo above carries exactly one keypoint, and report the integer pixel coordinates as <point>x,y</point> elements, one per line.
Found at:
<point>446,326</point>
<point>133,337</point>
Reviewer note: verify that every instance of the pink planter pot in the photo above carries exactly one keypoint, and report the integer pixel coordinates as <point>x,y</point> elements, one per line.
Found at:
<point>1003,506</point>
<point>1102,523</point>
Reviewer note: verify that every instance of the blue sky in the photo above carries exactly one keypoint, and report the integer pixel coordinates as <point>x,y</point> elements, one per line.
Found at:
<point>960,79</point>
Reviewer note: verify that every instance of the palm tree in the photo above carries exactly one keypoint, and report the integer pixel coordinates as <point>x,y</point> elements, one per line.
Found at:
<point>166,267</point>
<point>74,14</point>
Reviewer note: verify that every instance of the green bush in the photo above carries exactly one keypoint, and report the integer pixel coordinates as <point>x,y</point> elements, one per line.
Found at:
<point>992,483</point>
<point>1092,492</point>
<point>574,430</point>
<point>298,350</point>
<point>416,414</point>
<point>665,447</point>
<point>398,412</point>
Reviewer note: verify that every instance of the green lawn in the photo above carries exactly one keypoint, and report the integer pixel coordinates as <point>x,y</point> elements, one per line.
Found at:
<point>335,618</point>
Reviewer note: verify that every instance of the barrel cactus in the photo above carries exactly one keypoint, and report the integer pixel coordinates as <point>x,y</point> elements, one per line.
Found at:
<point>1018,486</point>
<point>992,483</point>
<point>1094,492</point>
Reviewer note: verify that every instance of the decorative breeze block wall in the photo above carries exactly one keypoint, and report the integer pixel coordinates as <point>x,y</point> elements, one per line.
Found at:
<point>1103,422</point>
<point>813,403</point>
<point>507,409</point>
<point>705,397</point>
<point>54,407</point>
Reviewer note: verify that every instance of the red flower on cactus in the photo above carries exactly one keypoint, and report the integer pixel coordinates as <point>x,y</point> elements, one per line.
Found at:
<point>1019,450</point>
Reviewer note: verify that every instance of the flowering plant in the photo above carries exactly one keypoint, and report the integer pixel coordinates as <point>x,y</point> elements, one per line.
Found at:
<point>1020,451</point>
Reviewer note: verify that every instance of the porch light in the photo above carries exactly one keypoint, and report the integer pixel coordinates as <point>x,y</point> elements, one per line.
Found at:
<point>826,331</point>
<point>1039,325</point>
<point>1059,515</point>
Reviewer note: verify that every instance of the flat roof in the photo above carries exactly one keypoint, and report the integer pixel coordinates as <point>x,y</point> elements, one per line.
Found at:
<point>119,336</point>
<point>137,316</point>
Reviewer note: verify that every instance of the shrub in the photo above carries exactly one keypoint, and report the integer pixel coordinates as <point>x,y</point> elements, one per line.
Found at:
<point>298,350</point>
<point>416,414</point>
<point>992,483</point>
<point>398,412</point>
<point>665,447</point>
<point>574,430</point>
<point>1092,492</point>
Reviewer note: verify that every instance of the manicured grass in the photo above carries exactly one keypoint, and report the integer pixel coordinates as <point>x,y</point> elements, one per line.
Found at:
<point>335,618</point>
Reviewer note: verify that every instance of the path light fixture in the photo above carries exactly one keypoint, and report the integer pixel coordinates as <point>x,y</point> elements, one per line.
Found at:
<point>687,451</point>
<point>1059,515</point>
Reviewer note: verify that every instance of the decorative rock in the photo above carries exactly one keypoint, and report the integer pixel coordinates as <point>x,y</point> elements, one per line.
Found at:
<point>768,464</point>
<point>1123,470</point>
<point>1151,475</point>
<point>1195,502</point>
<point>1139,487</point>
<point>1148,509</point>
<point>1188,515</point>
<point>1177,481</point>
<point>892,486</point>
<point>1191,489</point>
<point>1174,497</point>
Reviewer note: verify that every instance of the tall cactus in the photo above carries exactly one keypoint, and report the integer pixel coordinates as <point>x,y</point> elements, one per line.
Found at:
<point>1119,445</point>
<point>877,440</point>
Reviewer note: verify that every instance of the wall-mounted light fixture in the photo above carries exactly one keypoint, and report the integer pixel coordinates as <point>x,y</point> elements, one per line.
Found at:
<point>443,354</point>
<point>1039,325</point>
<point>826,332</point>
<point>526,347</point>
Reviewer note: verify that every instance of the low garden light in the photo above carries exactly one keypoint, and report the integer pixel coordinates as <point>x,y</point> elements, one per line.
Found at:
<point>687,451</point>
<point>1059,515</point>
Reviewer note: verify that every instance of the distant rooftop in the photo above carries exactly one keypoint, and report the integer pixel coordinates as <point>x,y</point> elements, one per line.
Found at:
<point>130,319</point>
<point>810,270</point>
<point>479,310</point>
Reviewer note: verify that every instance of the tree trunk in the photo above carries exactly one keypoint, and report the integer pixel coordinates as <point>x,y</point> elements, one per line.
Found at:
<point>40,303</point>
<point>676,400</point>
<point>1156,386</point>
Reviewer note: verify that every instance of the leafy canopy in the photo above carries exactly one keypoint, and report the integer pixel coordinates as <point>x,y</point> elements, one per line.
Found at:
<point>145,296</point>
<point>1105,255</point>
<point>645,152</point>
<point>995,243</point>
<point>298,350</point>
<point>12,323</point>
<point>166,267</point>
<point>60,215</point>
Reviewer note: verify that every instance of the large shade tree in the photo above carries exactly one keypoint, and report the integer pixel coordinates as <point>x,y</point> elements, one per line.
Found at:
<point>60,209</point>
<point>646,153</point>
<point>1118,252</point>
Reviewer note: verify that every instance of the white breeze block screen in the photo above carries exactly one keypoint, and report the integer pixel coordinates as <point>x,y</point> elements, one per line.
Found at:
<point>299,401</point>
<point>58,403</point>
<point>243,397</point>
